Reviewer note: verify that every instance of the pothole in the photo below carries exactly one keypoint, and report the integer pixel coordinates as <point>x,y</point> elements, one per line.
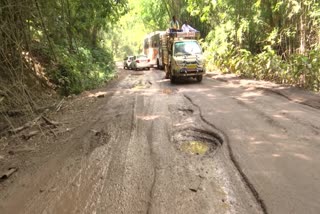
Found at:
<point>197,142</point>
<point>142,85</point>
<point>195,147</point>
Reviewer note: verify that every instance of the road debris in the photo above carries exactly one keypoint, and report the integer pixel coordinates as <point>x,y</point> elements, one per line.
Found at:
<point>8,173</point>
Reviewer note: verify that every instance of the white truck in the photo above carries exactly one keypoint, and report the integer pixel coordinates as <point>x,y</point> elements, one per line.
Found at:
<point>182,55</point>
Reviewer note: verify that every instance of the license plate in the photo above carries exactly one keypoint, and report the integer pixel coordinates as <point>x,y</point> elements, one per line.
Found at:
<point>191,66</point>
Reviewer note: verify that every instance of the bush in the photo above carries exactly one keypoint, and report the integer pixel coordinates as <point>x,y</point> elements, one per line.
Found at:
<point>83,70</point>
<point>299,70</point>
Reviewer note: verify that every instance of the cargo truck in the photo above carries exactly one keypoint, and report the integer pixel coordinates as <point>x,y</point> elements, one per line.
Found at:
<point>182,55</point>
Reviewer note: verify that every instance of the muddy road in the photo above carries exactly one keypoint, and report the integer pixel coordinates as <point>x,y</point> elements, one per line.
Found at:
<point>143,145</point>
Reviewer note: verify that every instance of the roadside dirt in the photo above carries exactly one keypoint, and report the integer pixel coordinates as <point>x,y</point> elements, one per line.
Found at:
<point>294,94</point>
<point>138,145</point>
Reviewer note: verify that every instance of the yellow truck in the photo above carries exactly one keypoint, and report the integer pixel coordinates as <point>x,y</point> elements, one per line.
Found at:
<point>182,55</point>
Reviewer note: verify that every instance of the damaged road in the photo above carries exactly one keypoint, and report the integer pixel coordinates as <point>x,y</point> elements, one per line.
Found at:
<point>143,145</point>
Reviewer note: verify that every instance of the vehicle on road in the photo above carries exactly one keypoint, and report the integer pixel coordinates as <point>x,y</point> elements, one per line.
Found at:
<point>182,56</point>
<point>151,48</point>
<point>127,62</point>
<point>140,62</point>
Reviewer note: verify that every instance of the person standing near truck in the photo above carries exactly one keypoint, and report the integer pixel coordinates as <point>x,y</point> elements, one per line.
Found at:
<point>187,28</point>
<point>174,25</point>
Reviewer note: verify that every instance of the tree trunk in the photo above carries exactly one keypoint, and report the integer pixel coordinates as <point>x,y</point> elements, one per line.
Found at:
<point>302,30</point>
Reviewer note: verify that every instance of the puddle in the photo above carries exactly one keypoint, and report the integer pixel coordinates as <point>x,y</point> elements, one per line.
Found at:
<point>197,142</point>
<point>195,147</point>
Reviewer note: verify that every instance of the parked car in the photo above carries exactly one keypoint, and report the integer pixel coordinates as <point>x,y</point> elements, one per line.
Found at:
<point>127,62</point>
<point>140,62</point>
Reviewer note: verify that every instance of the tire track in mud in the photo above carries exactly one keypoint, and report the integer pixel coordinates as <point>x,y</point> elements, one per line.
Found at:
<point>225,139</point>
<point>140,103</point>
<point>90,177</point>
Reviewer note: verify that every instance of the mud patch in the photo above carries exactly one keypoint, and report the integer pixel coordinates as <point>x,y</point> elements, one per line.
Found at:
<point>136,73</point>
<point>167,91</point>
<point>185,111</point>
<point>98,138</point>
<point>197,142</point>
<point>142,85</point>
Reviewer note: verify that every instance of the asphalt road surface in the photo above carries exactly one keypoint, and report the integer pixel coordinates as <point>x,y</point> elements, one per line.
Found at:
<point>148,146</point>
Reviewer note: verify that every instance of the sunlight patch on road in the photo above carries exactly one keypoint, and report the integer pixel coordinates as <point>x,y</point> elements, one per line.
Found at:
<point>194,90</point>
<point>167,91</point>
<point>252,94</point>
<point>98,94</point>
<point>302,156</point>
<point>164,80</point>
<point>148,117</point>
<point>257,142</point>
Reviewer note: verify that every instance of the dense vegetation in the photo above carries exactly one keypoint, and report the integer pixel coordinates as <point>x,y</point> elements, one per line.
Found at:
<point>67,34</point>
<point>56,45</point>
<point>264,39</point>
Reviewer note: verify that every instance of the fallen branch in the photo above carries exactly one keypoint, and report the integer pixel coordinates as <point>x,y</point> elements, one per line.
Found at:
<point>29,135</point>
<point>13,113</point>
<point>50,122</point>
<point>59,105</point>
<point>53,133</point>
<point>8,173</point>
<point>25,126</point>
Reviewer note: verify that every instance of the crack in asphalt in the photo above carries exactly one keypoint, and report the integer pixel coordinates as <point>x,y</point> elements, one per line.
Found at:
<point>225,138</point>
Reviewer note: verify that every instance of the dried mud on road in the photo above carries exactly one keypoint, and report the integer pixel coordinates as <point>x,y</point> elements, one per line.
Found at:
<point>138,145</point>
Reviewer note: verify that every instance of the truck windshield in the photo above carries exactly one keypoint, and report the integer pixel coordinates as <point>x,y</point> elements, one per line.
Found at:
<point>187,48</point>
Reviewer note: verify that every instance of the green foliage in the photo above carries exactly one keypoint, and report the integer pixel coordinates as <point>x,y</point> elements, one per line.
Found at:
<point>84,70</point>
<point>145,16</point>
<point>300,70</point>
<point>269,40</point>
<point>66,37</point>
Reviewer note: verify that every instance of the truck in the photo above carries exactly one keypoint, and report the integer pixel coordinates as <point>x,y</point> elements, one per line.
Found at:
<point>181,55</point>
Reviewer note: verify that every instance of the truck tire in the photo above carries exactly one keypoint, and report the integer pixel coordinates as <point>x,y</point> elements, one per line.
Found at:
<point>173,79</point>
<point>199,78</point>
<point>166,69</point>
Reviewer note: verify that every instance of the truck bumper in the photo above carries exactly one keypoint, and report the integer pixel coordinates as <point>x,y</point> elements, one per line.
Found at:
<point>189,73</point>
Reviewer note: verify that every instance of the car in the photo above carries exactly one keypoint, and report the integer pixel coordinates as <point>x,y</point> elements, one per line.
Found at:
<point>140,62</point>
<point>127,62</point>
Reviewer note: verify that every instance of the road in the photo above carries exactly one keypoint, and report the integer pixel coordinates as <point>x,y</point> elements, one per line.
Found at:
<point>147,146</point>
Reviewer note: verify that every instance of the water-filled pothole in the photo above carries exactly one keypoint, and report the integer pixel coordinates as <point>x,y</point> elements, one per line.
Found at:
<point>197,142</point>
<point>195,147</point>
